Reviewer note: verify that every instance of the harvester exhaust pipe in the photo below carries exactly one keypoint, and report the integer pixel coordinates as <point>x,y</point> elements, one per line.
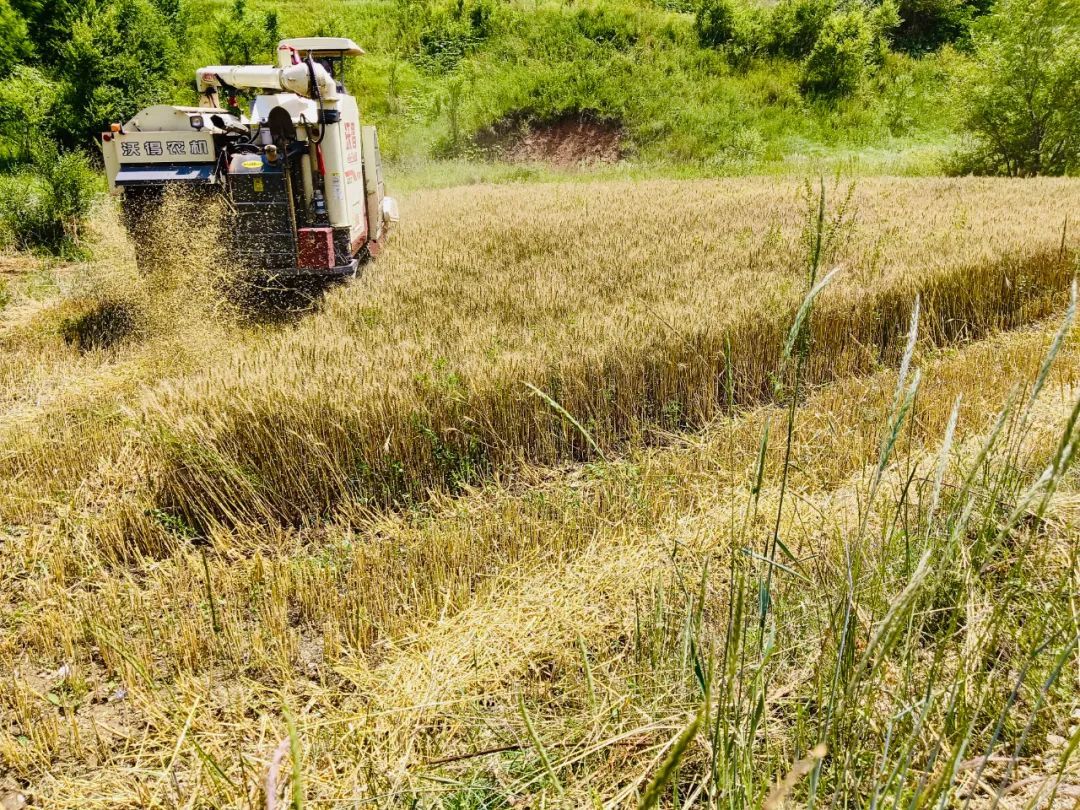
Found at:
<point>315,157</point>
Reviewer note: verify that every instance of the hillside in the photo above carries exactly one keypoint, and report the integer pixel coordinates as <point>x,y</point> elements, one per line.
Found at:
<point>723,85</point>
<point>460,79</point>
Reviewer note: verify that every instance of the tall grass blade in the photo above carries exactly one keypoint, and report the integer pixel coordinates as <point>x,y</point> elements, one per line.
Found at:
<point>565,414</point>
<point>538,745</point>
<point>909,352</point>
<point>943,462</point>
<point>670,764</point>
<point>803,313</point>
<point>1055,346</point>
<point>296,753</point>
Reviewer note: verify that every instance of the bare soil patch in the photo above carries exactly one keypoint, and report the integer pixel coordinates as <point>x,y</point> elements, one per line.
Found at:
<point>570,141</point>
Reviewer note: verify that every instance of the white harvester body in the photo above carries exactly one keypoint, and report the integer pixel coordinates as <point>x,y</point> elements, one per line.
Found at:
<point>302,173</point>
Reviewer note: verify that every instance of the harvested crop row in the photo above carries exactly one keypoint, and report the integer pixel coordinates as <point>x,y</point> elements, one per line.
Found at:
<point>619,301</point>
<point>386,680</point>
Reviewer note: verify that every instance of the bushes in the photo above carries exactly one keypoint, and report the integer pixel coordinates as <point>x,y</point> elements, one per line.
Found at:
<point>838,62</point>
<point>15,34</point>
<point>715,23</point>
<point>741,29</point>
<point>795,24</point>
<point>837,43</point>
<point>27,99</point>
<point>448,34</point>
<point>117,62</point>
<point>929,24</point>
<point>848,46</point>
<point>919,25</point>
<point>44,206</point>
<point>82,66</point>
<point>1020,95</point>
<point>606,27</point>
<point>246,39</point>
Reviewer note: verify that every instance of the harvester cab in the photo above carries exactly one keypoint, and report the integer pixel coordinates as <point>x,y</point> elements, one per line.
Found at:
<point>300,174</point>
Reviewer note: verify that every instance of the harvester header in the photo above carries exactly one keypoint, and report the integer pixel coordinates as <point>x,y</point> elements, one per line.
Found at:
<point>301,174</point>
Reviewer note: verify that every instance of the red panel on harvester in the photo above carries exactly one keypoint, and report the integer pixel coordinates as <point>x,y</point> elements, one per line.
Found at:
<point>315,247</point>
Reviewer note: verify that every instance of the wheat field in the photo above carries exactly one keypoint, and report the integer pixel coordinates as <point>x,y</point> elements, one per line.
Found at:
<point>575,498</point>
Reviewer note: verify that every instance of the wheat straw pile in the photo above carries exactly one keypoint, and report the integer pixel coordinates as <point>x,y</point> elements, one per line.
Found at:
<point>552,507</point>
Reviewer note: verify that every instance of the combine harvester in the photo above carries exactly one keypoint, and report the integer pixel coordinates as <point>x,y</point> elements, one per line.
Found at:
<point>300,174</point>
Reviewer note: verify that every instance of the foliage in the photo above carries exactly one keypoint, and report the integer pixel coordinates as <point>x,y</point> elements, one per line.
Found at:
<point>839,60</point>
<point>715,22</point>
<point>795,24</point>
<point>1020,96</point>
<point>738,85</point>
<point>929,24</point>
<point>44,205</point>
<point>448,33</point>
<point>441,71</point>
<point>242,38</point>
<point>49,24</point>
<point>27,100</point>
<point>116,63</point>
<point>15,34</point>
<point>606,26</point>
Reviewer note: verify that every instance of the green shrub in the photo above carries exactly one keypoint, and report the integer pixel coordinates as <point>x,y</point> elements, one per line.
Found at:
<point>744,147</point>
<point>242,38</point>
<point>15,34</point>
<point>27,101</point>
<point>73,185</point>
<point>716,22</point>
<point>680,6</point>
<point>839,60</point>
<point>928,24</point>
<point>49,25</point>
<point>1020,95</point>
<point>449,34</point>
<point>445,44</point>
<point>605,26</point>
<point>117,62</point>
<point>884,21</point>
<point>794,26</point>
<point>45,206</point>
<point>741,30</point>
<point>751,35</point>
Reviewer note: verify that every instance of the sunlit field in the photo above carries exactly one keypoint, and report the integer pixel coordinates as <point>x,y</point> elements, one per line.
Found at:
<point>730,493</point>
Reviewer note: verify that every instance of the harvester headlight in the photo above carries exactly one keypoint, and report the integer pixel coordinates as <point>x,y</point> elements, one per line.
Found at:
<point>271,153</point>
<point>196,122</point>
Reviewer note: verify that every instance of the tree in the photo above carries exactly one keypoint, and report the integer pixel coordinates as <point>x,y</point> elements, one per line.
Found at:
<point>246,39</point>
<point>14,33</point>
<point>118,60</point>
<point>841,55</point>
<point>929,24</point>
<point>1020,95</point>
<point>27,99</point>
<point>795,24</point>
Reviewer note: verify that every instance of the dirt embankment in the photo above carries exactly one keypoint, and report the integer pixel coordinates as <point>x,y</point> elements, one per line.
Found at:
<point>568,141</point>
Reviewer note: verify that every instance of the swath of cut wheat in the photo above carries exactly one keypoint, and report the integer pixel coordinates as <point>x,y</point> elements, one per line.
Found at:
<point>369,522</point>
